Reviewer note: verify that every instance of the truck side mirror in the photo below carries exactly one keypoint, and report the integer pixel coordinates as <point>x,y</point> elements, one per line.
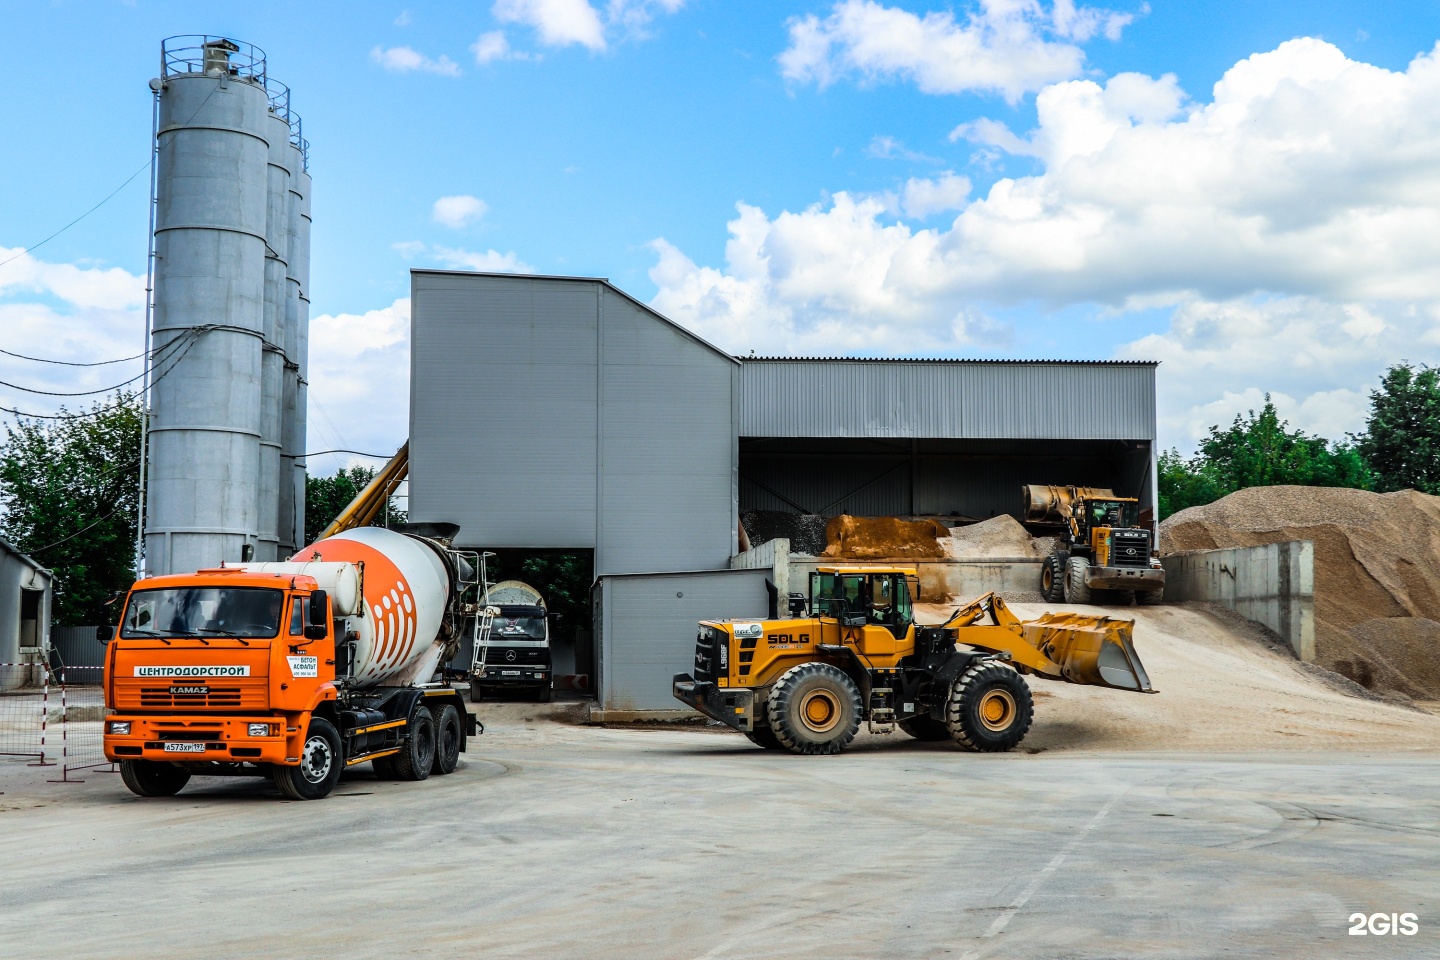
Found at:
<point>319,609</point>
<point>104,634</point>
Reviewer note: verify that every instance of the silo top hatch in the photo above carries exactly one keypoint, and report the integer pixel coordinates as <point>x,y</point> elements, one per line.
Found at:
<point>212,56</point>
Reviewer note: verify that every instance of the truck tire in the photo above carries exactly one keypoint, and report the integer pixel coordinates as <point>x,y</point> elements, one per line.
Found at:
<point>1076,590</point>
<point>417,754</point>
<point>322,760</point>
<point>543,694</point>
<point>1150,598</point>
<point>990,708</point>
<point>448,736</point>
<point>384,768</point>
<point>1052,579</point>
<point>153,778</point>
<point>925,728</point>
<point>763,735</point>
<point>476,694</point>
<point>814,709</point>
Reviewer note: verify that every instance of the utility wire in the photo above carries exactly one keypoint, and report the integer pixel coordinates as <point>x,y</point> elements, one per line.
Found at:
<point>146,166</point>
<point>94,523</point>
<point>99,410</point>
<point>90,393</point>
<point>70,363</point>
<point>376,456</point>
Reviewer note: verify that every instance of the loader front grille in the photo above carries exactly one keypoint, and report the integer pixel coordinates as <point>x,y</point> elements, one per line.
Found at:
<point>1130,548</point>
<point>710,655</point>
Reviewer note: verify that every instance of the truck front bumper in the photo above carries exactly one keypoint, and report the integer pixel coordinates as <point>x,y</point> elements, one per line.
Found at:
<point>202,739</point>
<point>734,708</point>
<point>494,676</point>
<point>1125,578</point>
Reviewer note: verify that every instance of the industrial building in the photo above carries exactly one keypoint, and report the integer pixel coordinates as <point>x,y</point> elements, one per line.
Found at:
<point>561,414</point>
<point>25,595</point>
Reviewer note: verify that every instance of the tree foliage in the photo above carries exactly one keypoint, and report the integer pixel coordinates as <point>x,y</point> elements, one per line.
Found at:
<point>1257,450</point>
<point>69,491</point>
<point>1401,442</point>
<point>325,497</point>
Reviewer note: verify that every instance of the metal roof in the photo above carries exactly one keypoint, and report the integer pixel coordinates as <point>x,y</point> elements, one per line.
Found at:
<point>998,360</point>
<point>7,547</point>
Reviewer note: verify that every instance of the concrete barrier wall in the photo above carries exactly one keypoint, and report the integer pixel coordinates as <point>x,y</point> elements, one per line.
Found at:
<point>1273,584</point>
<point>772,555</point>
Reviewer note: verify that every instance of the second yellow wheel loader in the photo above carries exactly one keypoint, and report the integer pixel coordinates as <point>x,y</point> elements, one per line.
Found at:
<point>852,653</point>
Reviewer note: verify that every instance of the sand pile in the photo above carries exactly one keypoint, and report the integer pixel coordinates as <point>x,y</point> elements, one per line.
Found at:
<point>999,538</point>
<point>1377,606</point>
<point>883,538</point>
<point>1224,688</point>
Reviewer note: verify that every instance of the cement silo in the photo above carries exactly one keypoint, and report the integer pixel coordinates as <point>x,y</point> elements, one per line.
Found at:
<point>208,320</point>
<point>297,344</point>
<point>231,268</point>
<point>275,471</point>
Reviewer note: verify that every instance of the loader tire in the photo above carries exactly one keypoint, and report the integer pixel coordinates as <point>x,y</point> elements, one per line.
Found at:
<point>153,778</point>
<point>925,728</point>
<point>448,738</point>
<point>1150,598</point>
<point>763,735</point>
<point>322,760</point>
<point>1076,590</point>
<point>1052,579</point>
<point>990,708</point>
<point>417,754</point>
<point>814,709</point>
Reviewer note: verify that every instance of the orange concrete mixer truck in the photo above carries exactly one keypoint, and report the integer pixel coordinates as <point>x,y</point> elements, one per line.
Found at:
<point>295,670</point>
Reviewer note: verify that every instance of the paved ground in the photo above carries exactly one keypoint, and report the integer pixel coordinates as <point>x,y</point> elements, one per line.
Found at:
<point>559,841</point>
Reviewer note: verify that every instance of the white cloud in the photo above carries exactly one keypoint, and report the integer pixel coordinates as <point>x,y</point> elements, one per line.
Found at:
<point>1292,225</point>
<point>406,60</point>
<point>360,362</point>
<point>487,261</point>
<point>561,23</point>
<point>1010,47</point>
<point>458,211</point>
<point>922,198</point>
<point>404,19</point>
<point>491,46</point>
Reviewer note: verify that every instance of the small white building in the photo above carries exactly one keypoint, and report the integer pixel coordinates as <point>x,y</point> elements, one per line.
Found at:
<point>25,593</point>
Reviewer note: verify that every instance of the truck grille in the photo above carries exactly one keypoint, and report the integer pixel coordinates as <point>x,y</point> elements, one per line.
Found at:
<point>707,654</point>
<point>149,695</point>
<point>1130,552</point>
<point>497,656</point>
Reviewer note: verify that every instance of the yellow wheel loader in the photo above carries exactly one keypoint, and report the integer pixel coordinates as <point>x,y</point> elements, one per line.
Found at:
<point>1105,556</point>
<point>853,654</point>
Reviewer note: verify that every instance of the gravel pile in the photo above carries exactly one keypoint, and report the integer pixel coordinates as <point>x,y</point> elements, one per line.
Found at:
<point>1377,606</point>
<point>999,538</point>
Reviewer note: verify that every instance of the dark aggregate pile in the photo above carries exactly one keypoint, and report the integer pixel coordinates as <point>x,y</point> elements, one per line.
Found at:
<point>806,532</point>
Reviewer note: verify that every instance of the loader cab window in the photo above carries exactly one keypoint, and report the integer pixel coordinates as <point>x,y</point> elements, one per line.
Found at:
<point>1113,513</point>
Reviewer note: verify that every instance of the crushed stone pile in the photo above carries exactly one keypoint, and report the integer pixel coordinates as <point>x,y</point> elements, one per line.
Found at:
<point>1377,597</point>
<point>883,538</point>
<point>999,538</point>
<point>805,531</point>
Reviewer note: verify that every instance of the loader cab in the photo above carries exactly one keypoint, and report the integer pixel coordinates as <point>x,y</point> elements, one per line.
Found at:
<point>859,597</point>
<point>1094,515</point>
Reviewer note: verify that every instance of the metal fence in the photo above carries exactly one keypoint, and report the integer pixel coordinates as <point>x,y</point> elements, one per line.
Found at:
<point>53,718</point>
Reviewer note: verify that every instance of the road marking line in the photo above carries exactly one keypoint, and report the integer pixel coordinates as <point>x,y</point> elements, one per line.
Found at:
<point>1045,872</point>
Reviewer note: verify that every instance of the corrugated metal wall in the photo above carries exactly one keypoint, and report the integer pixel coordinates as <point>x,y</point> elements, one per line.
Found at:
<point>648,632</point>
<point>509,395</point>
<point>947,399</point>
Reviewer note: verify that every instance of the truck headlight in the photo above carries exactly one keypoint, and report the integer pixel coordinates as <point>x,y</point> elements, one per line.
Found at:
<point>259,729</point>
<point>121,727</point>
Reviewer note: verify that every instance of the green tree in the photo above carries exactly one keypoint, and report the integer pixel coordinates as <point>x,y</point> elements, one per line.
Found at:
<point>1257,450</point>
<point>1401,442</point>
<point>325,497</point>
<point>69,491</point>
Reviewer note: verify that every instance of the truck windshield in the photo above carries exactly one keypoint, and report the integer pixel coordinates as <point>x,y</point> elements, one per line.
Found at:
<point>203,612</point>
<point>518,625</point>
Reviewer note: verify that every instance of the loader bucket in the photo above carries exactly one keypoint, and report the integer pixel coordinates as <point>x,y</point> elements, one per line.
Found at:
<point>1095,651</point>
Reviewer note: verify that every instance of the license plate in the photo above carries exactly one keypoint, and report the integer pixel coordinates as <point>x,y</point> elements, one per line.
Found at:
<point>174,746</point>
<point>509,673</point>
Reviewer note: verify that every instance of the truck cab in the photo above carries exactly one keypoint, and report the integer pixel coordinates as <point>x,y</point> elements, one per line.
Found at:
<point>518,657</point>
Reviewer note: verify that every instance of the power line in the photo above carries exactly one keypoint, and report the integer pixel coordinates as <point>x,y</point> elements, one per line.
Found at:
<point>70,363</point>
<point>114,406</point>
<point>376,456</point>
<point>90,393</point>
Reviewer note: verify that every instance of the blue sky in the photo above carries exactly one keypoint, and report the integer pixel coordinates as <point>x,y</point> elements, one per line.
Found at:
<point>1009,179</point>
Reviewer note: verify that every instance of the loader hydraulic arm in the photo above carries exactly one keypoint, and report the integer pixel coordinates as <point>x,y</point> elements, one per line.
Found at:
<point>1061,646</point>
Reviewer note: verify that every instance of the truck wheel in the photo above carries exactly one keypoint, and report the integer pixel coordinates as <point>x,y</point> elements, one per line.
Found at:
<point>763,735</point>
<point>152,778</point>
<point>990,708</point>
<point>814,709</point>
<point>925,728</point>
<point>447,738</point>
<point>1150,598</point>
<point>384,767</point>
<point>415,758</point>
<point>1052,579</point>
<point>1076,590</point>
<point>476,694</point>
<point>322,760</point>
